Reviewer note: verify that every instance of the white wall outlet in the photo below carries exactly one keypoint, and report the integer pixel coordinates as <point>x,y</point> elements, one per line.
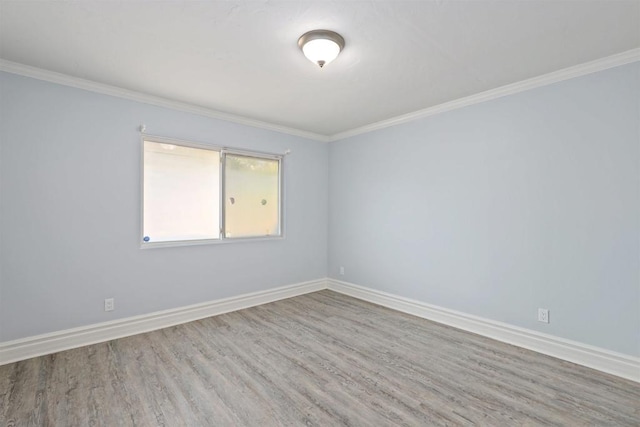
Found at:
<point>341,270</point>
<point>543,315</point>
<point>109,304</point>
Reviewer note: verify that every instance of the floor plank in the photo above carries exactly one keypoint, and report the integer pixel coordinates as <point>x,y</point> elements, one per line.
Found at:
<point>318,359</point>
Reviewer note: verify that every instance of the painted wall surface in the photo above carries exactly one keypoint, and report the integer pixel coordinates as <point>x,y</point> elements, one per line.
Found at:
<point>70,201</point>
<point>527,201</point>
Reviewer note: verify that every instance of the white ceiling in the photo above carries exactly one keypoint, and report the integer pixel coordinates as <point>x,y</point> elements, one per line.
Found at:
<point>242,58</point>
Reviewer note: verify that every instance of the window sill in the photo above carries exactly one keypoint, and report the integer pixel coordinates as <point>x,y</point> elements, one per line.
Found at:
<point>178,243</point>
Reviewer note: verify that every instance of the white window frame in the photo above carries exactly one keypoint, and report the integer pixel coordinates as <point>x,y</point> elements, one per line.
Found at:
<point>221,214</point>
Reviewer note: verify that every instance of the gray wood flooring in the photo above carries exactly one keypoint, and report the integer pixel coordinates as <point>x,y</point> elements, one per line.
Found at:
<point>320,359</point>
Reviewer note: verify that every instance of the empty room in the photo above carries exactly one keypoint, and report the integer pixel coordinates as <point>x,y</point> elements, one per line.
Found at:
<point>319,213</point>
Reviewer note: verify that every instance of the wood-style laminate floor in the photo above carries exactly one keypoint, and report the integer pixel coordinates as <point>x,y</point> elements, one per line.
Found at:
<point>320,359</point>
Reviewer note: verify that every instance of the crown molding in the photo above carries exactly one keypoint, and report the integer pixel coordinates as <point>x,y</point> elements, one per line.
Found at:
<point>612,61</point>
<point>105,89</point>
<point>601,64</point>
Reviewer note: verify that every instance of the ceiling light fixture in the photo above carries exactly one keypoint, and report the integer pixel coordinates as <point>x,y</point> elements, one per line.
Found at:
<point>321,46</point>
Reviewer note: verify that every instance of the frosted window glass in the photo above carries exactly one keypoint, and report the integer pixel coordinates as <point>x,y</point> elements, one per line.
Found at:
<point>252,196</point>
<point>181,193</point>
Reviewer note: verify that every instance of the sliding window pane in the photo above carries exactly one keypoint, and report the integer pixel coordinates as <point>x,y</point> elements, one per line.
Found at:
<point>181,193</point>
<point>252,193</point>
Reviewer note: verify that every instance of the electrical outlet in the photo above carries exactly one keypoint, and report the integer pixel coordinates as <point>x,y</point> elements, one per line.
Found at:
<point>341,270</point>
<point>109,304</point>
<point>543,315</point>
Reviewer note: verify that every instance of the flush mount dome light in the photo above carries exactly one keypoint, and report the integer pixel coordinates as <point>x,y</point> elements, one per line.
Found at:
<point>321,46</point>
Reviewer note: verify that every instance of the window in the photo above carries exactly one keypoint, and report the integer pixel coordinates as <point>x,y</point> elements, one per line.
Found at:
<point>193,193</point>
<point>251,187</point>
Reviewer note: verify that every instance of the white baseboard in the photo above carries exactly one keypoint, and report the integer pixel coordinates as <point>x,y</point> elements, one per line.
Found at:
<point>611,362</point>
<point>25,348</point>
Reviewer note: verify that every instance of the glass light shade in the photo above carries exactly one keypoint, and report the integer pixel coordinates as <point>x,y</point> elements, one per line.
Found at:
<point>321,51</point>
<point>321,46</point>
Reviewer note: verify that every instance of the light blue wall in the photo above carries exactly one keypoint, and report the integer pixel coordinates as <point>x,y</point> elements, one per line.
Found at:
<point>70,212</point>
<point>527,201</point>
